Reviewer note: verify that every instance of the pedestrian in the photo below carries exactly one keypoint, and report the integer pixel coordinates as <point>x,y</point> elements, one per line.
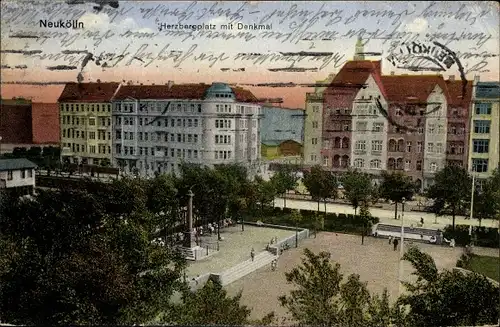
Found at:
<point>274,264</point>
<point>395,242</point>
<point>252,254</point>
<point>422,221</point>
<point>399,217</point>
<point>390,239</point>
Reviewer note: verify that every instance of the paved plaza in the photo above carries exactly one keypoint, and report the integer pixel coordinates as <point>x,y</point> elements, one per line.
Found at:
<point>375,262</point>
<point>235,247</point>
<point>387,216</point>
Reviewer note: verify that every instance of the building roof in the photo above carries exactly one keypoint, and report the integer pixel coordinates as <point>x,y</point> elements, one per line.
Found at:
<point>457,97</point>
<point>488,90</point>
<point>412,88</point>
<point>88,92</point>
<point>177,91</point>
<point>354,74</point>
<point>277,142</point>
<point>15,164</point>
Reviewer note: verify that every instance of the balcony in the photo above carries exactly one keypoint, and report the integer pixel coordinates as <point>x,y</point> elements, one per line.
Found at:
<point>455,137</point>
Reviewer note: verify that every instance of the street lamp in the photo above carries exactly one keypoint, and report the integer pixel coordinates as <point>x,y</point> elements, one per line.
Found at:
<point>401,249</point>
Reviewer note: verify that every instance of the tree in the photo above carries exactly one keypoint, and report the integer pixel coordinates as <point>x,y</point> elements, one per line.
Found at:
<point>357,188</point>
<point>450,191</point>
<point>266,192</point>
<point>285,179</point>
<point>209,305</point>
<point>365,216</point>
<point>448,298</point>
<point>487,200</point>
<point>396,186</point>
<point>321,299</point>
<point>77,257</point>
<point>320,184</point>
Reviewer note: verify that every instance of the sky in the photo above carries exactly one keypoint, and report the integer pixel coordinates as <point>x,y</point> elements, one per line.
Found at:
<point>132,30</point>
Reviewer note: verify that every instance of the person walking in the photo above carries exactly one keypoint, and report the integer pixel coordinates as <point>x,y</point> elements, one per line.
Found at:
<point>390,239</point>
<point>395,242</point>
<point>252,254</point>
<point>274,264</point>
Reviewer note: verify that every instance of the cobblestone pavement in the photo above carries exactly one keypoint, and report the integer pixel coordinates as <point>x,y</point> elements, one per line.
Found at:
<point>387,216</point>
<point>235,247</point>
<point>376,262</point>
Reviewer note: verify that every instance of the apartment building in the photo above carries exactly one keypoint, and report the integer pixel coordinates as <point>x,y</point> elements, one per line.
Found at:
<point>484,145</point>
<point>339,100</point>
<point>313,123</point>
<point>157,127</point>
<point>85,120</point>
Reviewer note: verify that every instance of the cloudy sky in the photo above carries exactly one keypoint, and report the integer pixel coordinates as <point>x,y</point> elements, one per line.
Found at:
<point>152,56</point>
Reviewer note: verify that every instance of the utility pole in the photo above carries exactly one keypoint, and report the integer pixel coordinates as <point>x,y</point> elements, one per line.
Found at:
<point>471,205</point>
<point>401,249</point>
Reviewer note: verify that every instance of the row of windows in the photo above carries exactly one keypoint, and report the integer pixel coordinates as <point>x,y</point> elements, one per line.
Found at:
<point>80,107</point>
<point>397,164</point>
<point>150,151</point>
<point>72,120</point>
<point>222,155</point>
<point>225,108</point>
<point>361,145</point>
<point>480,165</point>
<point>75,134</point>
<point>222,123</point>
<point>437,148</point>
<point>82,148</point>
<point>483,108</point>
<point>159,107</point>
<point>222,139</point>
<point>129,121</point>
<point>480,146</point>
<point>482,126</point>
<point>145,136</point>
<point>22,174</point>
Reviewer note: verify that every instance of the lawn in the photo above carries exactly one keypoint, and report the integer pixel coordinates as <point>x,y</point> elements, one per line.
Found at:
<point>488,266</point>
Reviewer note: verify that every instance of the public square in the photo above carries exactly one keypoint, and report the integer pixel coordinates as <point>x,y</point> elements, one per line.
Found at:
<point>376,262</point>
<point>235,247</point>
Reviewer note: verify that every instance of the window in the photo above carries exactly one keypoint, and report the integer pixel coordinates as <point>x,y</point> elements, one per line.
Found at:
<point>408,146</point>
<point>432,129</point>
<point>399,112</point>
<point>325,161</point>
<point>483,108</point>
<point>433,166</point>
<point>439,147</point>
<point>23,173</point>
<point>480,165</point>
<point>360,145</point>
<point>30,173</point>
<point>375,164</point>
<point>359,163</point>
<point>420,130</point>
<point>480,146</point>
<point>419,147</point>
<point>315,108</point>
<point>378,127</point>
<point>376,145</point>
<point>419,165</point>
<point>430,147</point>
<point>482,126</point>
<point>314,140</point>
<point>361,126</point>
<point>315,124</point>
<point>346,127</point>
<point>9,175</point>
<point>440,129</point>
<point>407,165</point>
<point>92,121</point>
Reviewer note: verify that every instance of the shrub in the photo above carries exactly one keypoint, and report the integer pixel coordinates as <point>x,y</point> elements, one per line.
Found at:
<point>483,236</point>
<point>287,210</point>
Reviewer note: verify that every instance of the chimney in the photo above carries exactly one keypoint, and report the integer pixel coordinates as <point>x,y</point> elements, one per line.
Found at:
<point>392,73</point>
<point>170,84</point>
<point>451,78</point>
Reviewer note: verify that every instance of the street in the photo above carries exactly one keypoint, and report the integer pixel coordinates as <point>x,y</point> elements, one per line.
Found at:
<point>387,216</point>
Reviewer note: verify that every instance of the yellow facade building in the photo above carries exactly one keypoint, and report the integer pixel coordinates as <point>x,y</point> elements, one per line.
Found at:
<point>85,122</point>
<point>484,144</point>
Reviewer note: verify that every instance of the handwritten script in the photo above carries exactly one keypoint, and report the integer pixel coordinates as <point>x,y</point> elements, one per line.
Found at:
<point>265,35</point>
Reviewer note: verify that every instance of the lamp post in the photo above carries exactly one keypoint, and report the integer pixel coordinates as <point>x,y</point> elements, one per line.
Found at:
<point>471,203</point>
<point>401,249</point>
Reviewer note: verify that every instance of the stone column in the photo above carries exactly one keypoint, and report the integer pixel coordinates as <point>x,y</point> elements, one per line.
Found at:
<point>188,234</point>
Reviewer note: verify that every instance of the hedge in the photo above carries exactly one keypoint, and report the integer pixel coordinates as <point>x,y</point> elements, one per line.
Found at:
<point>483,236</point>
<point>332,223</point>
